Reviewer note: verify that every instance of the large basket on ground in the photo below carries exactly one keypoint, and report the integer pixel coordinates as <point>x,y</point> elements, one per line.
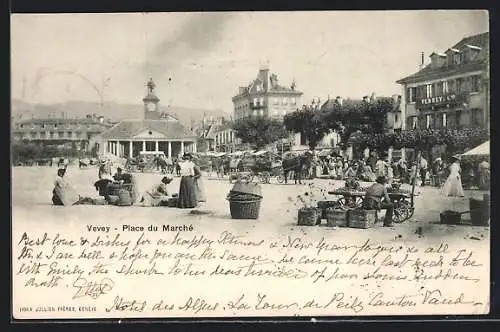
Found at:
<point>245,209</point>
<point>244,201</point>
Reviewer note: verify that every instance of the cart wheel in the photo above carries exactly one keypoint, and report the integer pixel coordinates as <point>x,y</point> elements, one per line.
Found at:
<point>280,178</point>
<point>358,202</point>
<point>341,203</point>
<point>402,212</point>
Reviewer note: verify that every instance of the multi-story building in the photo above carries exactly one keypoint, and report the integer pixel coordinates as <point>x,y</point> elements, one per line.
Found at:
<point>265,97</point>
<point>452,90</point>
<point>221,137</point>
<point>62,131</point>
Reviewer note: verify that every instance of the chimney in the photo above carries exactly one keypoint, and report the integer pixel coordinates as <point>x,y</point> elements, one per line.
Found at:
<point>421,60</point>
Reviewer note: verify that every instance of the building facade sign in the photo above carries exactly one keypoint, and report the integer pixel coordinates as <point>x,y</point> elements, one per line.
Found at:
<point>438,100</point>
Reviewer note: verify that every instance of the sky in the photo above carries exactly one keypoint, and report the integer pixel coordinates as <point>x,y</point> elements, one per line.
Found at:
<point>199,59</point>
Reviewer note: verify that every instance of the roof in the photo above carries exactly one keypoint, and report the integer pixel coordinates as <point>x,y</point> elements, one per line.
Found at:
<point>263,83</point>
<point>130,128</point>
<point>479,41</point>
<point>61,120</point>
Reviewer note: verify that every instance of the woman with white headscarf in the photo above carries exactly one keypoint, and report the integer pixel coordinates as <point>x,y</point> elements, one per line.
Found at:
<point>159,194</point>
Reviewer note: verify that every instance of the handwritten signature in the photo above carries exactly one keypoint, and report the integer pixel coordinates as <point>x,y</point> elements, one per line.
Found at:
<point>92,289</point>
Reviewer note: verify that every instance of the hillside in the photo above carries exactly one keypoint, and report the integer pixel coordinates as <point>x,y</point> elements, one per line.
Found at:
<point>113,111</point>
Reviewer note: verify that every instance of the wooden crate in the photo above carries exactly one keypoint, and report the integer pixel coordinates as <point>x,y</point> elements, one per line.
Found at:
<point>360,218</point>
<point>336,217</point>
<point>309,216</point>
<point>324,205</point>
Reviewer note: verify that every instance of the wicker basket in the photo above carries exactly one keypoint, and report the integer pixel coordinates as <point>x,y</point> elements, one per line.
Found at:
<point>245,209</point>
<point>336,217</point>
<point>309,216</point>
<point>124,198</point>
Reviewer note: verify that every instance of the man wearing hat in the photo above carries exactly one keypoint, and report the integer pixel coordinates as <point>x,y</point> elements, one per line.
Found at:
<point>377,198</point>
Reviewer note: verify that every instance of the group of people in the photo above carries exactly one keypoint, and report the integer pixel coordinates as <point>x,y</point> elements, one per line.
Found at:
<point>121,188</point>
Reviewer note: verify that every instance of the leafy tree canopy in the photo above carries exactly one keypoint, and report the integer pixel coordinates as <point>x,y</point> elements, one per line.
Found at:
<point>259,131</point>
<point>308,122</point>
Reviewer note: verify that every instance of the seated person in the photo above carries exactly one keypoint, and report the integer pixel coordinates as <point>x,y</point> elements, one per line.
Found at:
<point>118,175</point>
<point>64,194</point>
<point>158,195</point>
<point>374,199</point>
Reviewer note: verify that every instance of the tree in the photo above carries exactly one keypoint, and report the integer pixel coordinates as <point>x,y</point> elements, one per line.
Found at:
<point>358,117</point>
<point>309,123</point>
<point>259,131</point>
<point>456,140</point>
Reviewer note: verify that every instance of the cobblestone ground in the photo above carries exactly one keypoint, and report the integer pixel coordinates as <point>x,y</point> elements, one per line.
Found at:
<point>31,204</point>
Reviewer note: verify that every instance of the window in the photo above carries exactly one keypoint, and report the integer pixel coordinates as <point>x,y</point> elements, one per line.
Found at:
<point>262,101</point>
<point>445,87</point>
<point>412,94</point>
<point>294,101</point>
<point>428,91</point>
<point>276,101</point>
<point>475,83</point>
<point>261,112</point>
<point>427,121</point>
<point>459,85</point>
<point>43,125</point>
<point>285,101</point>
<point>439,88</point>
<point>444,120</point>
<point>55,125</point>
<point>412,122</point>
<point>255,113</point>
<point>451,86</point>
<point>457,58</point>
<point>476,117</point>
<point>458,118</point>
<point>21,126</point>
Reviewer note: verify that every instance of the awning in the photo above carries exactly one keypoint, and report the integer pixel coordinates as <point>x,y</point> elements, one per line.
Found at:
<point>261,152</point>
<point>481,150</point>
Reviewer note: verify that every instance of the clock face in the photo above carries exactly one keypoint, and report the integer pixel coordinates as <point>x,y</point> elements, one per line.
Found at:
<point>151,107</point>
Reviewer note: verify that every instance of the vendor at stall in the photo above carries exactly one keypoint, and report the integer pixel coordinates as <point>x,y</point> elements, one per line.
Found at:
<point>159,194</point>
<point>377,198</point>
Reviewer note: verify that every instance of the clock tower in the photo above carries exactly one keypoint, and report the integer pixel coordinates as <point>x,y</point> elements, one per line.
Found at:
<point>151,101</point>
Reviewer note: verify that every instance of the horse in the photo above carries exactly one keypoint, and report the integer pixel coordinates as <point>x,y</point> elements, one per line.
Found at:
<point>298,165</point>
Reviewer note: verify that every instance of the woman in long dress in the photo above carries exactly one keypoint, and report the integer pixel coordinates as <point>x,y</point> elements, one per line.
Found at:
<point>187,189</point>
<point>198,183</point>
<point>453,185</point>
